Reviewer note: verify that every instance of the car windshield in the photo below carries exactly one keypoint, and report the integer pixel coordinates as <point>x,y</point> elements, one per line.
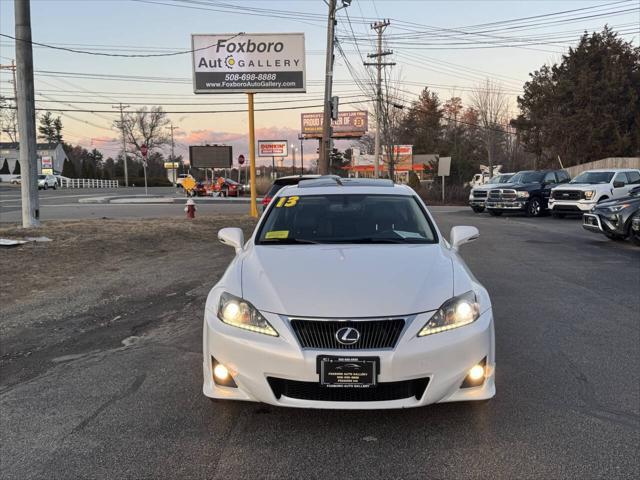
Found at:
<point>499,179</point>
<point>346,218</point>
<point>527,177</point>
<point>593,177</point>
<point>41,177</point>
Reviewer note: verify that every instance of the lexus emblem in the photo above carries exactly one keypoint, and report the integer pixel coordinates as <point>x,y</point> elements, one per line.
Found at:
<point>347,336</point>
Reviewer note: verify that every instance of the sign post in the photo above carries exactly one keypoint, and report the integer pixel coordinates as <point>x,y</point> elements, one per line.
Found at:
<point>444,169</point>
<point>253,211</point>
<point>144,151</point>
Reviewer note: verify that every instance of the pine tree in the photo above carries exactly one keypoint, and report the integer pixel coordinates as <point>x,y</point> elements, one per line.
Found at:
<point>5,168</point>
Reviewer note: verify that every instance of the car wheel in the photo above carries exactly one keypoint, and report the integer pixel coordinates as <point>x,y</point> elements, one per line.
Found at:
<point>635,237</point>
<point>55,186</point>
<point>557,215</point>
<point>534,207</point>
<point>495,213</point>
<point>478,209</point>
<point>44,187</point>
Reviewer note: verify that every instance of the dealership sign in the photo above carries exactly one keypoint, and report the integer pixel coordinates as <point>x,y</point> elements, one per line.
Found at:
<point>248,62</point>
<point>348,125</point>
<point>47,162</point>
<point>272,148</point>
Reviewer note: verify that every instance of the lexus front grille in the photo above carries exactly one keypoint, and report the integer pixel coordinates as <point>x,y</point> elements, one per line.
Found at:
<point>371,334</point>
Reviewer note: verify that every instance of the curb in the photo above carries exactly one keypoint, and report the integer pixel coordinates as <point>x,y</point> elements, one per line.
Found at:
<point>141,199</point>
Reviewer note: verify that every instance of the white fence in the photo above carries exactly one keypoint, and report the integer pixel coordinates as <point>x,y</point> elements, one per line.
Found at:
<point>86,183</point>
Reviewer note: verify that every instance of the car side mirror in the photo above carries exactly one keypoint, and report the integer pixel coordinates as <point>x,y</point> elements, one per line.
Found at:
<point>232,237</point>
<point>618,184</point>
<point>461,235</point>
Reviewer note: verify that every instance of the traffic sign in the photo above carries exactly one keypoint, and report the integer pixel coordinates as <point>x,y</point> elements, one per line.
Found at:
<point>241,159</point>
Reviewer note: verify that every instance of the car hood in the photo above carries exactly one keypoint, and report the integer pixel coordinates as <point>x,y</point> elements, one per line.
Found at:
<point>336,281</point>
<point>579,186</point>
<point>522,186</point>
<point>617,201</point>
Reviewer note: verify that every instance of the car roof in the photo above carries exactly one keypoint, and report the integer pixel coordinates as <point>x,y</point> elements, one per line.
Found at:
<point>333,185</point>
<point>292,179</point>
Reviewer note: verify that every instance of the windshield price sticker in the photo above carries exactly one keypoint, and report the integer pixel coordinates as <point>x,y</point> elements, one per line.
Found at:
<point>287,202</point>
<point>277,234</point>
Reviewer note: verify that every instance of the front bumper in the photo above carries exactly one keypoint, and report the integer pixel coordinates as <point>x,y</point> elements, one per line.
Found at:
<point>443,359</point>
<point>571,206</point>
<point>604,223</point>
<point>511,205</point>
<point>477,202</point>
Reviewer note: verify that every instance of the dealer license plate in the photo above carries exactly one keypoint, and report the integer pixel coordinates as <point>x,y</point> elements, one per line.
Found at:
<point>348,372</point>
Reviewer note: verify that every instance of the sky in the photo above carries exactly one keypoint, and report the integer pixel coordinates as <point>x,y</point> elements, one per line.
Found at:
<point>450,46</point>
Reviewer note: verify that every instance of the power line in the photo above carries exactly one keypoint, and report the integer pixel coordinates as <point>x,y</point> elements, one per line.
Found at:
<point>122,55</point>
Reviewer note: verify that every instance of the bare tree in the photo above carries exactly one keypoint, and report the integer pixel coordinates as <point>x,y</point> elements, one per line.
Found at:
<point>8,119</point>
<point>145,127</point>
<point>391,115</point>
<point>491,104</point>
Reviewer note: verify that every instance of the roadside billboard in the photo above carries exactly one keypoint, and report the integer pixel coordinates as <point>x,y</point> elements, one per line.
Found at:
<point>348,125</point>
<point>210,156</point>
<point>248,62</point>
<point>273,148</point>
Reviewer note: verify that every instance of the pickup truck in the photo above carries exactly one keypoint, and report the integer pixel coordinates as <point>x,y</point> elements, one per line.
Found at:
<point>591,187</point>
<point>478,195</point>
<point>526,192</point>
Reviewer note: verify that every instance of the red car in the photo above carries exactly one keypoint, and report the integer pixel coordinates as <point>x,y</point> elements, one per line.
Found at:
<point>228,188</point>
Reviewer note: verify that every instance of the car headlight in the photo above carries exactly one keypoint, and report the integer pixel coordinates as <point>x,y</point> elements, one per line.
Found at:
<point>588,194</point>
<point>522,194</point>
<point>455,312</point>
<point>617,208</point>
<point>240,313</point>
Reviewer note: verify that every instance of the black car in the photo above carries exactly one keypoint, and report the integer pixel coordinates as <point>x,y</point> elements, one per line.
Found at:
<point>282,182</point>
<point>526,192</point>
<point>617,219</point>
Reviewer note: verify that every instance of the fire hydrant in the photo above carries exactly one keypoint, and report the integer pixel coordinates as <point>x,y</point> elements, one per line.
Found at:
<point>190,208</point>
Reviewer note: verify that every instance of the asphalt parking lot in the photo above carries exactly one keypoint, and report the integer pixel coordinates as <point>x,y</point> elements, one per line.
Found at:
<point>101,367</point>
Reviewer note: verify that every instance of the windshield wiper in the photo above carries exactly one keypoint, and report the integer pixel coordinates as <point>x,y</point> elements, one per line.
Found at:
<point>289,241</point>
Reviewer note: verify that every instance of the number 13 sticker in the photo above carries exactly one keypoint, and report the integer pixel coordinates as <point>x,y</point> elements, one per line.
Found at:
<point>287,202</point>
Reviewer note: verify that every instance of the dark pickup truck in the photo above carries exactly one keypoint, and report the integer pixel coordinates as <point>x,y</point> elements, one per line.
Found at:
<point>528,192</point>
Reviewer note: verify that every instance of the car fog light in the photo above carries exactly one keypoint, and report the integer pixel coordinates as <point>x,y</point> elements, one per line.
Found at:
<point>476,373</point>
<point>221,375</point>
<point>221,372</point>
<point>475,376</point>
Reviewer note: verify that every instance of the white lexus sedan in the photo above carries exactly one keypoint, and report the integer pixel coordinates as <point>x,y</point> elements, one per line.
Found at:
<point>348,296</point>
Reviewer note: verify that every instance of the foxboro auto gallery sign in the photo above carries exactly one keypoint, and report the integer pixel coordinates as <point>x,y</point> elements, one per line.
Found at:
<point>248,62</point>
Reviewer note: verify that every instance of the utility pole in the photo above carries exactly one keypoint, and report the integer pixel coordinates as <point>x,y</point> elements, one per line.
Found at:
<point>173,157</point>
<point>325,144</point>
<point>25,103</point>
<point>124,141</point>
<point>379,27</point>
<point>301,138</point>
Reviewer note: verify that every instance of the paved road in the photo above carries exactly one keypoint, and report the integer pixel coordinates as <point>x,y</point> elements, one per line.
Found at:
<point>63,204</point>
<point>567,406</point>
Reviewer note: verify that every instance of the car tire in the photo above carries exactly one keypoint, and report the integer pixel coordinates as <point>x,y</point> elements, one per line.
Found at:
<point>495,213</point>
<point>635,238</point>
<point>558,215</point>
<point>54,186</point>
<point>534,207</point>
<point>478,209</point>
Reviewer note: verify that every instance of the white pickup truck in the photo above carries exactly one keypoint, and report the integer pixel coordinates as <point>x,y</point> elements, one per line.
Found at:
<point>590,187</point>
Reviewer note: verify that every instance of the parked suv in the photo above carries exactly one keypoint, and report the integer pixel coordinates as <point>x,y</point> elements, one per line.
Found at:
<point>614,218</point>
<point>478,195</point>
<point>591,187</point>
<point>527,191</point>
<point>47,181</point>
